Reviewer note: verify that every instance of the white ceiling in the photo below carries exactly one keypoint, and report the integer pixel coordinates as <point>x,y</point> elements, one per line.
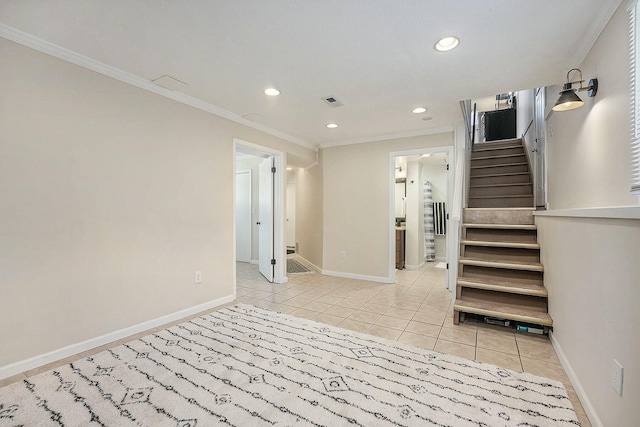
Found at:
<point>375,56</point>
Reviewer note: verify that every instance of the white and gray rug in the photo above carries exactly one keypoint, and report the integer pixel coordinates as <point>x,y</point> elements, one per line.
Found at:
<point>245,366</point>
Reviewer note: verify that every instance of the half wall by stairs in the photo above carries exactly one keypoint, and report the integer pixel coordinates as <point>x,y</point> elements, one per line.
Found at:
<point>499,271</point>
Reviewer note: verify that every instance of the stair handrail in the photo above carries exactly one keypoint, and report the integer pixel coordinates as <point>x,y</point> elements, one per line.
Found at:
<point>527,130</point>
<point>473,134</point>
<point>465,106</point>
<point>527,150</point>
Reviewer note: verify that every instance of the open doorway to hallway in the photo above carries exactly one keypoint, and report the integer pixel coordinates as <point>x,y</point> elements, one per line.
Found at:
<point>259,209</point>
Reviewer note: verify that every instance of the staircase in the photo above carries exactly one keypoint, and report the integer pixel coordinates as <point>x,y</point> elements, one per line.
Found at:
<point>499,272</point>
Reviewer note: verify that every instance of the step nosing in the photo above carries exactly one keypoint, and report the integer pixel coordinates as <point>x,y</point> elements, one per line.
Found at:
<point>516,184</point>
<point>540,318</point>
<point>506,288</point>
<point>501,209</point>
<point>523,245</point>
<point>501,226</point>
<point>509,196</point>
<point>507,265</point>
<point>493,175</point>
<point>480,280</point>
<point>498,166</point>
<point>499,156</point>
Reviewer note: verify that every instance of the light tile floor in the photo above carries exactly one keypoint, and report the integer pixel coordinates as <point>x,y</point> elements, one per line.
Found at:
<point>416,310</point>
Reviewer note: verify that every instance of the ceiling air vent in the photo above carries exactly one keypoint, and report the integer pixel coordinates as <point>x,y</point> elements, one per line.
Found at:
<point>169,82</point>
<point>332,101</point>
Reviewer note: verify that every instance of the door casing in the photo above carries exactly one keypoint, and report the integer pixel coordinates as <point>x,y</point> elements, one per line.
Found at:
<point>279,208</point>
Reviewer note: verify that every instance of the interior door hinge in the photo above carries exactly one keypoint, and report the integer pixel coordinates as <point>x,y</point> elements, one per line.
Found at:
<point>447,266</point>
<point>447,216</point>
<point>273,169</point>
<point>447,167</point>
<point>273,262</point>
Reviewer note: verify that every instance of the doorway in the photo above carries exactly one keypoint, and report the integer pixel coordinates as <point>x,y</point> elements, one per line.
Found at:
<point>416,176</point>
<point>265,229</point>
<point>291,211</point>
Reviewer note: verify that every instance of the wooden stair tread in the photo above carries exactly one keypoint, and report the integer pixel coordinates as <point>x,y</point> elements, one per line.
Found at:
<point>517,184</point>
<point>502,226</point>
<point>499,156</point>
<point>500,165</point>
<point>501,147</point>
<point>499,244</point>
<point>520,265</point>
<point>513,196</point>
<point>503,286</point>
<point>500,174</point>
<point>480,146</point>
<point>500,209</point>
<point>502,311</point>
<point>493,175</point>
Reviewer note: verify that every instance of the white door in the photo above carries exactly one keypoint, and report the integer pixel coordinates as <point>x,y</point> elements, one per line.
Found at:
<point>243,216</point>
<point>539,148</point>
<point>265,229</point>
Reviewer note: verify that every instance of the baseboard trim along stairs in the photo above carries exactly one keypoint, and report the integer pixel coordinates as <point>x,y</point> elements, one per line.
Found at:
<point>499,271</point>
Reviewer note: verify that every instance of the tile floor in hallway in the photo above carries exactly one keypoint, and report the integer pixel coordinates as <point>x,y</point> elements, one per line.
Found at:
<point>414,310</point>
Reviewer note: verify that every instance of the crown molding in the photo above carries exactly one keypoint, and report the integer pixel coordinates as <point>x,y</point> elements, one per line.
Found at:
<point>598,23</point>
<point>386,137</point>
<point>72,57</point>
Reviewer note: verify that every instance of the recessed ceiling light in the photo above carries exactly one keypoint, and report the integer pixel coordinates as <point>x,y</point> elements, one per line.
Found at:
<point>418,110</point>
<point>332,125</point>
<point>447,43</point>
<point>426,155</point>
<point>289,168</point>
<point>272,91</point>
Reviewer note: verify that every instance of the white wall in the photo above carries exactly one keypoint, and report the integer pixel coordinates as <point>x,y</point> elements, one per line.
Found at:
<point>525,104</point>
<point>290,224</point>
<point>591,265</point>
<point>591,273</point>
<point>356,203</point>
<point>588,148</point>
<point>309,208</point>
<point>414,234</point>
<point>110,198</point>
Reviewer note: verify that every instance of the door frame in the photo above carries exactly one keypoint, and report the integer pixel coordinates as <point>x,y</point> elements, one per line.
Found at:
<point>539,157</point>
<point>452,237</point>
<point>279,208</point>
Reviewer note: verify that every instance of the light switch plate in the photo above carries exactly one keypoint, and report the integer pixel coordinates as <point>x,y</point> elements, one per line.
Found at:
<point>616,378</point>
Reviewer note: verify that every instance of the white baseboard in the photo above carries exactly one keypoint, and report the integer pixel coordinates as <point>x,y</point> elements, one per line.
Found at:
<point>254,261</point>
<point>73,349</point>
<point>575,382</point>
<point>414,267</point>
<point>441,258</point>
<point>357,276</point>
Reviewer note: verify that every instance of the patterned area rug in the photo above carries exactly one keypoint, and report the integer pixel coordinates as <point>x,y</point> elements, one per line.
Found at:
<point>294,267</point>
<point>245,366</point>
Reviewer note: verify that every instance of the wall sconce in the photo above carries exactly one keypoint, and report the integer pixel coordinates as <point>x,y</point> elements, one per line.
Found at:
<point>568,98</point>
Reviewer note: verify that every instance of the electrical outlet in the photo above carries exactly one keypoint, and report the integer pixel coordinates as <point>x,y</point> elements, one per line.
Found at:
<point>343,254</point>
<point>616,378</point>
<point>197,277</point>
